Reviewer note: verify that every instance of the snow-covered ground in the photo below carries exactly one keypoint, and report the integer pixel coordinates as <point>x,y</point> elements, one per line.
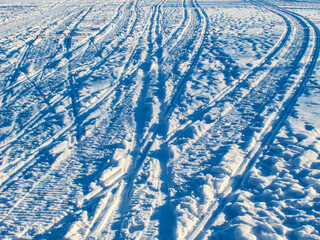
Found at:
<point>162,119</point>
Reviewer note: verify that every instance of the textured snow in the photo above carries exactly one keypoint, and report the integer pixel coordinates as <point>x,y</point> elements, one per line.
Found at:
<point>164,119</point>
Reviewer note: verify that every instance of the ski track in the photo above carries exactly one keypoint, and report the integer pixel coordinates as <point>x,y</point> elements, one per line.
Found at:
<point>95,37</point>
<point>116,150</point>
<point>229,91</point>
<point>27,45</point>
<point>164,116</point>
<point>81,118</point>
<point>37,118</point>
<point>146,67</point>
<point>234,89</point>
<point>55,58</point>
<point>10,83</point>
<point>28,165</point>
<point>267,137</point>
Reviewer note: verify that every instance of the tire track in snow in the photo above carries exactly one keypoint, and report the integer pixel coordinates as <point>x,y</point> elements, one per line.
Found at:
<point>267,137</point>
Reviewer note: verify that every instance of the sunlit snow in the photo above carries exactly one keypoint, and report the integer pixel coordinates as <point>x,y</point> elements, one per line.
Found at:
<point>159,119</point>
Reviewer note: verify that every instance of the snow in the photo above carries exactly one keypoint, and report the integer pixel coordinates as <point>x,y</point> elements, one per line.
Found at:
<point>164,119</point>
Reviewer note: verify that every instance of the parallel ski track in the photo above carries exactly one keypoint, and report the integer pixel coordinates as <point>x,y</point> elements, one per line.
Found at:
<point>34,120</point>
<point>178,91</point>
<point>104,191</point>
<point>31,159</point>
<point>114,182</point>
<point>146,146</point>
<point>116,102</point>
<point>41,178</point>
<point>128,187</point>
<point>179,31</point>
<point>240,83</point>
<point>32,84</point>
<point>28,45</point>
<point>119,14</point>
<point>182,84</point>
<point>235,182</point>
<point>309,72</point>
<point>32,123</point>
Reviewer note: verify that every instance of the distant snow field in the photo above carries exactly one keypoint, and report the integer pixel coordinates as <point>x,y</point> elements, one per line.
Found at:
<point>164,119</point>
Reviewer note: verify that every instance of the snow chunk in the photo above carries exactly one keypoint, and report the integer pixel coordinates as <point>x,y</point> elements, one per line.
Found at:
<point>307,158</point>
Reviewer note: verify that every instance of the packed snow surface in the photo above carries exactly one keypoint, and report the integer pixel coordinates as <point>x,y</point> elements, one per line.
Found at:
<point>162,119</point>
